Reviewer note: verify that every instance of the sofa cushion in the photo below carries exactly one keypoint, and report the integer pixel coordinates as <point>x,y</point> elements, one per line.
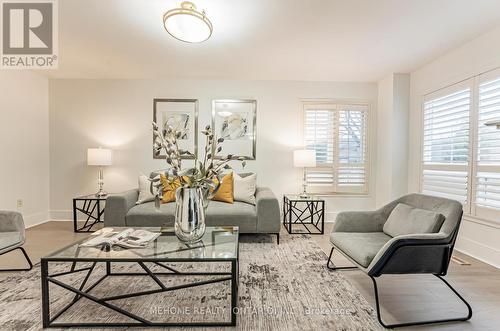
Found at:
<point>238,214</point>
<point>218,213</point>
<point>146,215</point>
<point>361,247</point>
<point>405,219</point>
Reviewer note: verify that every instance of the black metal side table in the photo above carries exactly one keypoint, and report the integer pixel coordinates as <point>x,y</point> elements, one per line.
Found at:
<point>92,208</point>
<point>308,212</point>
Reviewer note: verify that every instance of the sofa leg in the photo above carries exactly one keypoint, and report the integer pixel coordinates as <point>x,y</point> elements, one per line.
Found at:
<point>333,267</point>
<point>398,325</point>
<point>278,238</point>
<point>25,256</point>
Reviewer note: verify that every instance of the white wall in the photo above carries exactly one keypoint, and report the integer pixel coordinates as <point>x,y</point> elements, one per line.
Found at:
<point>24,144</point>
<point>392,137</point>
<point>478,238</point>
<point>118,114</point>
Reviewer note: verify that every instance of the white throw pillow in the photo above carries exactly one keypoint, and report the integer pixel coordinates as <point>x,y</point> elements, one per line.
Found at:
<point>244,188</point>
<point>144,190</point>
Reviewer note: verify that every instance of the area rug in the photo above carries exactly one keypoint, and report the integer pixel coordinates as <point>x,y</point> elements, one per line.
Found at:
<point>281,287</point>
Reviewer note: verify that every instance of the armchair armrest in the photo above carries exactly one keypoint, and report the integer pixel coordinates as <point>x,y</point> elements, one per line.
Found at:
<point>413,254</point>
<point>12,221</point>
<point>117,207</point>
<point>268,211</point>
<point>359,221</point>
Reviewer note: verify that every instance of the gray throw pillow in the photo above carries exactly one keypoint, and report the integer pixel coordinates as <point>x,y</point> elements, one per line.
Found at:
<point>405,219</point>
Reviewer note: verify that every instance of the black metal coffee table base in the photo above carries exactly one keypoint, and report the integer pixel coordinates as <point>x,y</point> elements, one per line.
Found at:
<point>49,320</point>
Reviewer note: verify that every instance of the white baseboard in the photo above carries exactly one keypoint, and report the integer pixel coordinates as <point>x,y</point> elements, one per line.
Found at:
<point>479,251</point>
<point>35,219</point>
<point>56,215</point>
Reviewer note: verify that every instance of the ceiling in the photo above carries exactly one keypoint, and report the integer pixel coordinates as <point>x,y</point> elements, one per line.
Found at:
<point>316,40</point>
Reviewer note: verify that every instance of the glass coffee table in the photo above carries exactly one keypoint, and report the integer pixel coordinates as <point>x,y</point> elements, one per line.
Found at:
<point>74,270</point>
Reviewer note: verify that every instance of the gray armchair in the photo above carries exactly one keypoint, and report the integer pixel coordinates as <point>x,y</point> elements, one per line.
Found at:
<point>12,235</point>
<point>365,239</point>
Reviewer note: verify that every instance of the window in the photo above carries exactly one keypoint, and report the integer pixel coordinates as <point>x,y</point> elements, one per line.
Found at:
<point>337,132</point>
<point>487,194</point>
<point>446,144</point>
<point>461,153</point>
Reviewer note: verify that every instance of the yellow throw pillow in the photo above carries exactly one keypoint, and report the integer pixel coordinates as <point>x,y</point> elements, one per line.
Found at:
<point>226,188</point>
<point>169,188</point>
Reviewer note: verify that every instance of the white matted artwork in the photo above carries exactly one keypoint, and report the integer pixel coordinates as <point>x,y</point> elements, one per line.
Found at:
<point>181,115</point>
<point>235,121</point>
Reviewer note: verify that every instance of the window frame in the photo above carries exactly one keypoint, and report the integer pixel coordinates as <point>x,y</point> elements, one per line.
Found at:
<point>337,106</point>
<point>471,208</point>
<point>469,83</point>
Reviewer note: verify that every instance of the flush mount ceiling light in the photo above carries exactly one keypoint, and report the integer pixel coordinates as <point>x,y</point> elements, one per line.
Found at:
<point>187,24</point>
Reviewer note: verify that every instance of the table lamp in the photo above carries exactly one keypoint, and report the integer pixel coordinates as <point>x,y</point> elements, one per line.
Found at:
<point>304,158</point>
<point>99,157</point>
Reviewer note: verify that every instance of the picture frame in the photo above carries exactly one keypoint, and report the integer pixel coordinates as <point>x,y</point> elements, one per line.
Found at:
<point>235,120</point>
<point>181,114</point>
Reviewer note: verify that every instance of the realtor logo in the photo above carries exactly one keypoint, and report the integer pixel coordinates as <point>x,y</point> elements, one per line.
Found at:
<point>29,34</point>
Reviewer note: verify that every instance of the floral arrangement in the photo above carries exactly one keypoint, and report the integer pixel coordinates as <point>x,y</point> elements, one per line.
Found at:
<point>206,173</point>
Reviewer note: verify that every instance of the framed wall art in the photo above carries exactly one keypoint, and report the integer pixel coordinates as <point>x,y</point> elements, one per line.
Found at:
<point>235,120</point>
<point>182,115</point>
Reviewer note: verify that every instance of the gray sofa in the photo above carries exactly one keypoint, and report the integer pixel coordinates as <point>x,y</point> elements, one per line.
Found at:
<point>263,218</point>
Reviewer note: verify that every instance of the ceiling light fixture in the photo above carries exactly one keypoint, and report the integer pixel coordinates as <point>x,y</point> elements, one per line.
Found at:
<point>187,24</point>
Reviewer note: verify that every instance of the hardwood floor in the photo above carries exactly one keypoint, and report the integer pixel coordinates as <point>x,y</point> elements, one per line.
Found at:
<point>403,298</point>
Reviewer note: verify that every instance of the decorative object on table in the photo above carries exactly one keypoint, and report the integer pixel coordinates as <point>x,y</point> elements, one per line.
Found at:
<point>414,234</point>
<point>194,186</point>
<point>236,121</point>
<point>99,157</point>
<point>245,187</point>
<point>308,212</point>
<point>12,235</point>
<point>128,238</point>
<point>92,209</point>
<point>187,24</point>
<point>304,158</point>
<point>180,115</point>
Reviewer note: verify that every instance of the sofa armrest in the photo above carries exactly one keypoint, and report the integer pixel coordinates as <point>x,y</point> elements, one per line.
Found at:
<point>268,211</point>
<point>359,221</point>
<point>117,207</point>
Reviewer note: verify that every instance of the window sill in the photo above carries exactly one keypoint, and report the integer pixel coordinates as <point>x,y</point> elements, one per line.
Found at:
<point>475,219</point>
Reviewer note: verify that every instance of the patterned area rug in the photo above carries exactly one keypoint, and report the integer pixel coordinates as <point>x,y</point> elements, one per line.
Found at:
<point>285,287</point>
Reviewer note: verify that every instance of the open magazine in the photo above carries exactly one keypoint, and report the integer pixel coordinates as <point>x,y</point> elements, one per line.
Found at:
<point>128,238</point>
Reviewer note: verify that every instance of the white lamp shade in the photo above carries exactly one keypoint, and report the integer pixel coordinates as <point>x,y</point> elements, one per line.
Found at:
<point>99,157</point>
<point>304,158</point>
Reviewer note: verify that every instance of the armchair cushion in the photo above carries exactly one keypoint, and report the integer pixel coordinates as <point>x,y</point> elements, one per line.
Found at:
<point>405,219</point>
<point>360,247</point>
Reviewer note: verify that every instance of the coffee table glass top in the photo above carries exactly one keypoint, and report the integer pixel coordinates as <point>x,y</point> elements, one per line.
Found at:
<point>218,243</point>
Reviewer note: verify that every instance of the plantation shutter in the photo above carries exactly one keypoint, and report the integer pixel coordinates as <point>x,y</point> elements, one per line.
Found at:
<point>319,136</point>
<point>352,165</point>
<point>338,135</point>
<point>446,130</point>
<point>487,190</point>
